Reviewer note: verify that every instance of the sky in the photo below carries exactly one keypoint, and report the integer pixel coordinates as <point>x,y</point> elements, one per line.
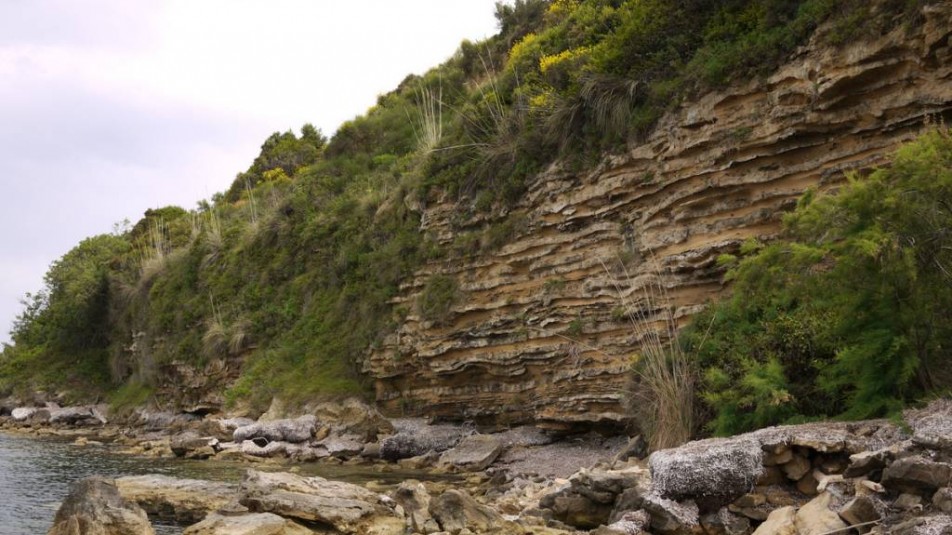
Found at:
<point>111,107</point>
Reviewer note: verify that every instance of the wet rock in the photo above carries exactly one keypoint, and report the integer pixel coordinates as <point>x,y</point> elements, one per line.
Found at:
<point>473,453</point>
<point>348,508</point>
<point>816,518</point>
<point>456,511</point>
<point>95,507</point>
<point>781,521</point>
<point>415,438</point>
<point>249,524</point>
<point>714,472</point>
<point>916,474</point>
<point>181,500</point>
<point>413,497</point>
<point>287,430</point>
<point>192,446</point>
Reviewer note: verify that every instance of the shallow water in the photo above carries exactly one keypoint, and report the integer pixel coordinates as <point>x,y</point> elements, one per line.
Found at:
<point>35,474</point>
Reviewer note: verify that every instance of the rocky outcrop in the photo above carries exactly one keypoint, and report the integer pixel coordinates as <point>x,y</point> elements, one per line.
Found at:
<point>95,507</point>
<point>414,438</point>
<point>532,335</point>
<point>287,430</point>
<point>345,507</point>
<point>250,524</point>
<point>180,500</point>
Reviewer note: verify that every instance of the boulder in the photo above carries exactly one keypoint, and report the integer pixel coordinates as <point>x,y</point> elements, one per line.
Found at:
<point>781,521</point>
<point>669,517</point>
<point>78,416</point>
<point>942,500</point>
<point>262,447</point>
<point>347,508</point>
<point>456,510</point>
<point>473,454</point>
<point>288,430</point>
<point>631,523</point>
<point>864,462</point>
<point>816,518</point>
<point>591,497</point>
<point>22,414</point>
<point>860,510</point>
<point>724,522</point>
<point>932,426</point>
<point>343,446</point>
<point>249,524</point>
<point>414,438</point>
<point>181,500</point>
<point>95,507</point>
<point>354,417</point>
<point>413,497</point>
<point>916,474</point>
<point>713,472</point>
<point>192,446</point>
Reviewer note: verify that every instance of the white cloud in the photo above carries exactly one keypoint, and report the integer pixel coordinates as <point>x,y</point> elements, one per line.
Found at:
<point>110,107</point>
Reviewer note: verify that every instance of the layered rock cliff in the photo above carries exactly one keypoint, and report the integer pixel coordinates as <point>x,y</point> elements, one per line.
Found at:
<point>538,330</point>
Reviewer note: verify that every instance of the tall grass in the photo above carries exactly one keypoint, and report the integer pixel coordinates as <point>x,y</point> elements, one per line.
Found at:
<point>662,397</point>
<point>428,125</point>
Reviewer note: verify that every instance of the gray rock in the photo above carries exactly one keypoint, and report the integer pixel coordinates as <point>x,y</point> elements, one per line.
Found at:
<point>669,517</point>
<point>932,426</point>
<point>942,500</point>
<point>413,497</point>
<point>288,430</point>
<point>249,524</point>
<point>474,453</point>
<point>926,525</point>
<point>95,507</point>
<point>415,438</point>
<point>631,523</point>
<point>171,498</point>
<point>456,510</point>
<point>78,416</point>
<point>724,522</point>
<point>715,471</point>
<point>916,474</point>
<point>261,447</point>
<point>192,446</point>
<point>347,508</point>
<point>343,446</point>
<point>867,461</point>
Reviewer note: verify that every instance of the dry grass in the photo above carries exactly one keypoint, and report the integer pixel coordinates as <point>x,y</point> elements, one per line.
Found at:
<point>662,397</point>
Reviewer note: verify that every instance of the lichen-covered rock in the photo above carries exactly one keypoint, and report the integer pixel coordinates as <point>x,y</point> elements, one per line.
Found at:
<point>247,524</point>
<point>22,414</point>
<point>348,508</point>
<point>631,523</point>
<point>932,426</point>
<point>472,454</point>
<point>287,430</point>
<point>95,507</point>
<point>181,500</point>
<point>716,471</point>
<point>669,517</point>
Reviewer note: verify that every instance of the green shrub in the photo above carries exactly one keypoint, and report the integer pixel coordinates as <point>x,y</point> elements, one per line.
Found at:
<point>437,298</point>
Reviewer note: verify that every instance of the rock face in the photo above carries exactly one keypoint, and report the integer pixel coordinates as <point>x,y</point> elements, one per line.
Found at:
<point>714,173</point>
<point>94,507</point>
<point>343,506</point>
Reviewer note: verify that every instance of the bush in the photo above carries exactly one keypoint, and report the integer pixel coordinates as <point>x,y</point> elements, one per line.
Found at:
<point>437,299</point>
<point>846,317</point>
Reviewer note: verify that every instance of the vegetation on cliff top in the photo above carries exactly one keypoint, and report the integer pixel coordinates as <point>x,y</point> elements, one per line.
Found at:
<point>292,270</point>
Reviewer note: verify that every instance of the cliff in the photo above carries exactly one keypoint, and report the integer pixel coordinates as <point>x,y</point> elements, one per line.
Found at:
<point>535,332</point>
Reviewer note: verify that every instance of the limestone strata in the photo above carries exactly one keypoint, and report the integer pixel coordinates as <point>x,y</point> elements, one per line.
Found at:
<point>538,331</point>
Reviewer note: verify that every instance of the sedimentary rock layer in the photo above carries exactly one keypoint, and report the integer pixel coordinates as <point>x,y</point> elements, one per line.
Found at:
<point>539,330</point>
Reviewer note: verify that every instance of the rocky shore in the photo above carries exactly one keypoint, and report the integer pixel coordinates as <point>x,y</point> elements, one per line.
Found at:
<point>817,479</point>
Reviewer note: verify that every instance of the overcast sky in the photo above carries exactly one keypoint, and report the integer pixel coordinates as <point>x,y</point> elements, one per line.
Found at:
<point>110,107</point>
